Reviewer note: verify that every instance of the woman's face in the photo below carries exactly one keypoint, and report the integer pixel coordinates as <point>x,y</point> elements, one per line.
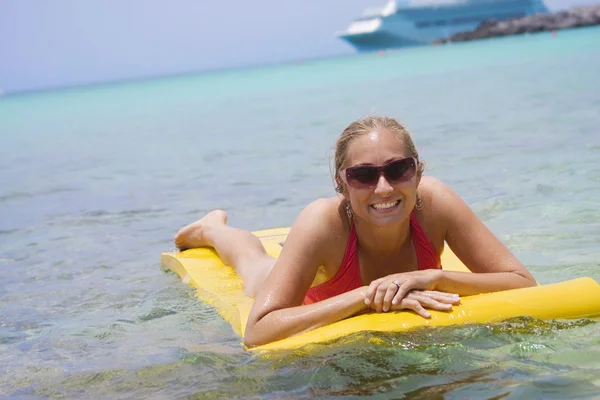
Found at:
<point>385,202</point>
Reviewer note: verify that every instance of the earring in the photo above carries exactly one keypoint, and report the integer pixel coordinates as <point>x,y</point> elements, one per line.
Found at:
<point>419,205</point>
<point>348,211</point>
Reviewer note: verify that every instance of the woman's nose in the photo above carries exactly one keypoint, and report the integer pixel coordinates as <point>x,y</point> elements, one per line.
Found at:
<point>383,186</point>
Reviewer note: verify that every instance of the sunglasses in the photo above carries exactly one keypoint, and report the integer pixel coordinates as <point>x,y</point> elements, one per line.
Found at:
<point>396,171</point>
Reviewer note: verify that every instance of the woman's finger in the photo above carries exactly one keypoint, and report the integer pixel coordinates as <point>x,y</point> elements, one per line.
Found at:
<point>440,293</point>
<point>392,289</point>
<point>398,296</point>
<point>412,304</point>
<point>442,297</point>
<point>428,302</point>
<point>370,296</point>
<point>378,299</point>
<point>403,289</point>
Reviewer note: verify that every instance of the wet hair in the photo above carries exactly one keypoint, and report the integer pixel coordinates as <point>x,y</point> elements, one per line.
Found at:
<point>365,126</point>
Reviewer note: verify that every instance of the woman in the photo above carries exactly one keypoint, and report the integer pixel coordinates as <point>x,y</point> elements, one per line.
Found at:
<point>376,245</point>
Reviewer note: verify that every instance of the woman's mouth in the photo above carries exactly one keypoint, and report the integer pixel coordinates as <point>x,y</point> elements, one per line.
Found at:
<point>385,206</point>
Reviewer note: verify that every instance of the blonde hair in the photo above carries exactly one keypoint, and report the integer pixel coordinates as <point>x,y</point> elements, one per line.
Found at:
<point>364,126</point>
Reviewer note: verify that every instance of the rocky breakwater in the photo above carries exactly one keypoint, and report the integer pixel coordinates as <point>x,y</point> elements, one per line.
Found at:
<point>573,18</point>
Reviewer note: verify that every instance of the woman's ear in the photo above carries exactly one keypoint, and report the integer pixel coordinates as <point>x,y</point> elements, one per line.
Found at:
<point>420,168</point>
<point>339,184</point>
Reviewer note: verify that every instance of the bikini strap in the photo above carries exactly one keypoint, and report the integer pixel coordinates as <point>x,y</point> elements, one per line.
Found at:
<point>427,257</point>
<point>351,247</point>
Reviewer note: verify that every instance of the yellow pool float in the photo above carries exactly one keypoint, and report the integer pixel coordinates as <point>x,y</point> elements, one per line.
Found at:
<point>221,287</point>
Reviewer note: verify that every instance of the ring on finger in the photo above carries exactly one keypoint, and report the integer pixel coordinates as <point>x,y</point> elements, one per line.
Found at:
<point>397,284</point>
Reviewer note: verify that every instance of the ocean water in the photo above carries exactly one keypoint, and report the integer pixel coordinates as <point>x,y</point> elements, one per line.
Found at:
<point>95,181</point>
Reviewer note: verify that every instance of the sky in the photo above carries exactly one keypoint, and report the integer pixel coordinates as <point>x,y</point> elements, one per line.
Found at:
<point>56,43</point>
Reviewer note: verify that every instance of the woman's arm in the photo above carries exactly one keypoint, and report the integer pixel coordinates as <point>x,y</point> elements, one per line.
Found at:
<point>494,267</point>
<point>269,326</point>
<point>277,312</point>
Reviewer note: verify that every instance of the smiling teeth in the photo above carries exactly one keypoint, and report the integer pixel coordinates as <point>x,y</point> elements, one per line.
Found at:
<point>383,206</point>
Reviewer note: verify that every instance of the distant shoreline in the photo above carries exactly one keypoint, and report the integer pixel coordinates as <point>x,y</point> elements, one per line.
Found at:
<point>574,18</point>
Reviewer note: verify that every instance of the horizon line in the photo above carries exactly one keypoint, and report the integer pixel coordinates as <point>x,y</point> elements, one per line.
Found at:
<point>166,75</point>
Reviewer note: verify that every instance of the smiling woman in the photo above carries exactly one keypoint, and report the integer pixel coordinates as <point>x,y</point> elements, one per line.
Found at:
<point>374,247</point>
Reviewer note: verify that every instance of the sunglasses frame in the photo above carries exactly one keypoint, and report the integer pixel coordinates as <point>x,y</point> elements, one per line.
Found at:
<point>380,171</point>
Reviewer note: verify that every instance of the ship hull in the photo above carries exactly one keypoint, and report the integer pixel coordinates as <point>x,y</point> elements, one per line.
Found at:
<point>413,26</point>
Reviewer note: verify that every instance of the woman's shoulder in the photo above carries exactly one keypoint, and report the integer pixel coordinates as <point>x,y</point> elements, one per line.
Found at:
<point>436,193</point>
<point>325,221</point>
<point>441,204</point>
<point>321,230</point>
<point>325,214</point>
<point>431,185</point>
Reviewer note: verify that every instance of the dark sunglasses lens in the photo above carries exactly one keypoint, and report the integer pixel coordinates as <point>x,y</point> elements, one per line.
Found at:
<point>362,176</point>
<point>401,170</point>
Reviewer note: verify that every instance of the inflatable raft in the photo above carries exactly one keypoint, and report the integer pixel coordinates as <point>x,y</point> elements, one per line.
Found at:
<point>220,286</point>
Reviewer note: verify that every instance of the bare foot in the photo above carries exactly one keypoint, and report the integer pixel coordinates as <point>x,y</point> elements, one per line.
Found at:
<point>192,236</point>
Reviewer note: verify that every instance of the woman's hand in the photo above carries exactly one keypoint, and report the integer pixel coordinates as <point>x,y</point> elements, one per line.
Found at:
<point>389,293</point>
<point>419,300</point>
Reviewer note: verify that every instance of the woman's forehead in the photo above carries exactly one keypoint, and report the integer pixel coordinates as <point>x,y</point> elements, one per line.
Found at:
<point>376,147</point>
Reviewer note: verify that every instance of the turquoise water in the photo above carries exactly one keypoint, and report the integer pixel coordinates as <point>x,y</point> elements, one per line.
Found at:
<point>95,181</point>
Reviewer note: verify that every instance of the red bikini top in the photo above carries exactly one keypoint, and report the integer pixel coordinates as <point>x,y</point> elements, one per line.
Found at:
<point>347,277</point>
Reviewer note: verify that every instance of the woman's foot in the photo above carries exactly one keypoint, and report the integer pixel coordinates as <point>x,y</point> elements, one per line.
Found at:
<point>194,235</point>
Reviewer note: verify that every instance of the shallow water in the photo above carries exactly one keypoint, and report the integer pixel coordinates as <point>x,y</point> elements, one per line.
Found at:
<point>95,181</point>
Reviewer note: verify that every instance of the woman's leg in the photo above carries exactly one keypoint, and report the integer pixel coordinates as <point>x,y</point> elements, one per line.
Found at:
<point>236,247</point>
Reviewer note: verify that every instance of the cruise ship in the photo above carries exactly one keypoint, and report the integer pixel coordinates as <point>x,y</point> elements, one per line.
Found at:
<point>419,22</point>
